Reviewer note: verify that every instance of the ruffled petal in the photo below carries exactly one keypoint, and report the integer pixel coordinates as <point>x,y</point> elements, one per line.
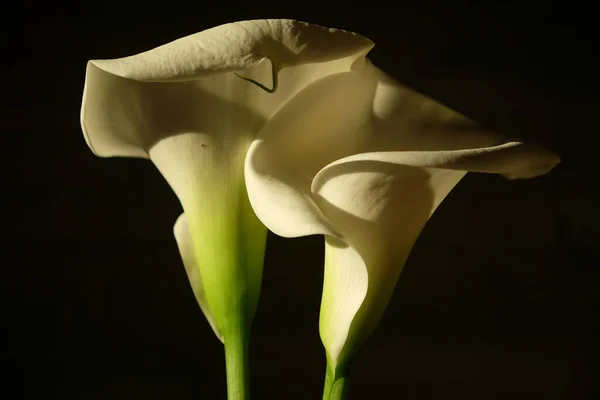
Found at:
<point>238,46</point>
<point>189,85</point>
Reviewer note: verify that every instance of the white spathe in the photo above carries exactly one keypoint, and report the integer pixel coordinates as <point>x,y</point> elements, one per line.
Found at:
<point>188,106</point>
<point>366,162</point>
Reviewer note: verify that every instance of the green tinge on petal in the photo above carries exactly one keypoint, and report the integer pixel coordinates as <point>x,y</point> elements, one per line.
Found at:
<point>231,253</point>
<point>188,256</point>
<point>344,289</point>
<point>228,239</point>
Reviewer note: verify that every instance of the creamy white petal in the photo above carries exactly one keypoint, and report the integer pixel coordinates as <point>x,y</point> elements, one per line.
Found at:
<point>380,202</point>
<point>189,85</point>
<point>365,112</point>
<point>188,256</point>
<point>406,120</point>
<point>514,160</point>
<point>380,209</point>
<point>325,121</point>
<point>123,117</point>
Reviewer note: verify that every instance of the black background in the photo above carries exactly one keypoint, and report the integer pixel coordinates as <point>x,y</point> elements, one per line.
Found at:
<point>498,299</point>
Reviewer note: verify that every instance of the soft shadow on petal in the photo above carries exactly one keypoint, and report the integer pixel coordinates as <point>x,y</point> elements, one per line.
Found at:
<point>122,117</point>
<point>380,209</point>
<point>128,103</point>
<point>380,202</point>
<point>404,119</point>
<point>125,117</point>
<point>325,121</point>
<point>188,256</point>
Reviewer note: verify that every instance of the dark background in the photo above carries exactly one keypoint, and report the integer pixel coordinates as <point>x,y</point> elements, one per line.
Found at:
<point>498,300</point>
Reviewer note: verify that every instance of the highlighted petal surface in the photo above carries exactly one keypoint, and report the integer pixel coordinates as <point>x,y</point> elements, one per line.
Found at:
<point>325,121</point>
<point>238,46</point>
<point>187,85</point>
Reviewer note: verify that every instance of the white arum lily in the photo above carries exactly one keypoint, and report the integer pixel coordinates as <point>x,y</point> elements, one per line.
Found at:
<point>193,107</point>
<point>366,163</point>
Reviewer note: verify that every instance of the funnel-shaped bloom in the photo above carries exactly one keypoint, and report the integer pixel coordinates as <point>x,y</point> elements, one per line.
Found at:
<point>193,107</point>
<point>291,121</point>
<point>366,163</point>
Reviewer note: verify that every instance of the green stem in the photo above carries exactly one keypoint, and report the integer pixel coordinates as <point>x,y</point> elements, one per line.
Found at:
<point>236,365</point>
<point>336,383</point>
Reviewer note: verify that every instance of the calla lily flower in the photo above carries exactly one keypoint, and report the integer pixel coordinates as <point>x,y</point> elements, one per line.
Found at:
<point>366,162</point>
<point>290,123</point>
<point>194,107</point>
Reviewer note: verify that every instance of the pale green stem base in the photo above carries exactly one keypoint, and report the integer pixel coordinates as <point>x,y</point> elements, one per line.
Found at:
<point>236,365</point>
<point>336,384</point>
